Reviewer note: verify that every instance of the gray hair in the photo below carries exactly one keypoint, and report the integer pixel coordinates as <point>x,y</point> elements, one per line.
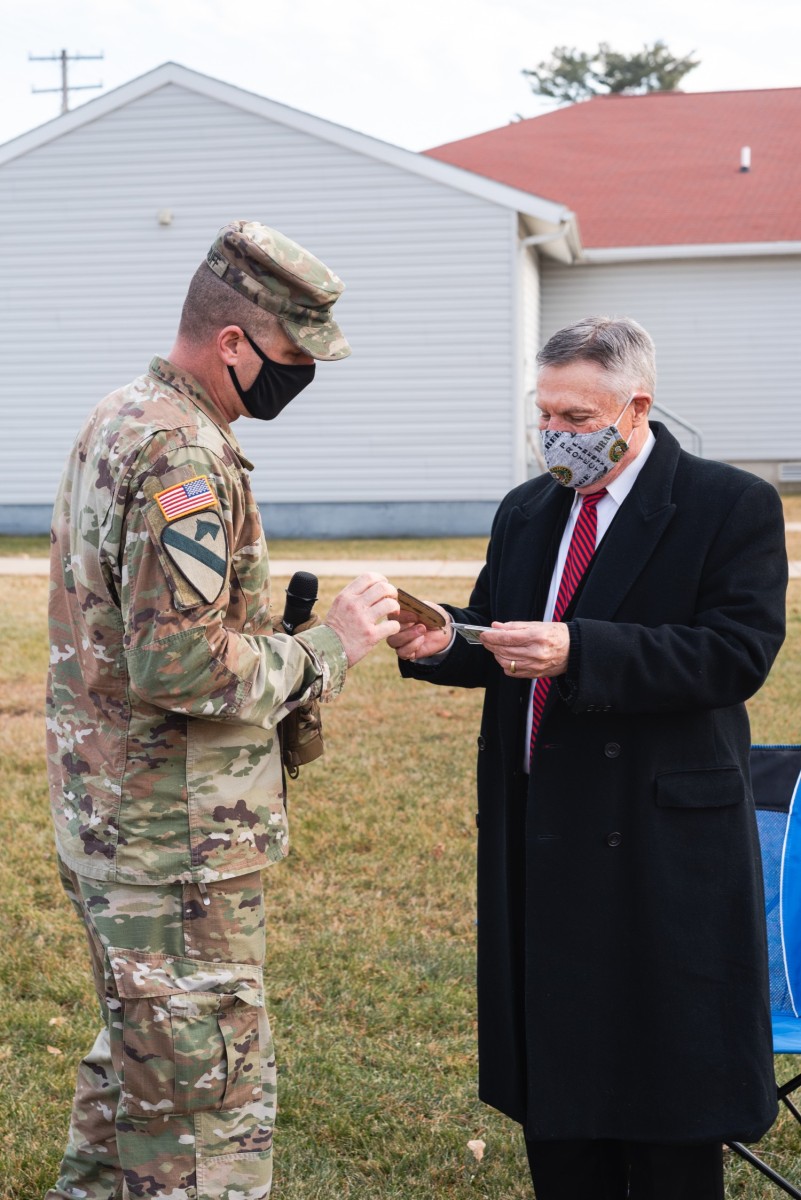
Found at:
<point>617,344</point>
<point>211,304</point>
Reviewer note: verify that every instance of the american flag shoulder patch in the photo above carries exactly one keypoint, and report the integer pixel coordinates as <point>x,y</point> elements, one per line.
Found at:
<point>190,496</point>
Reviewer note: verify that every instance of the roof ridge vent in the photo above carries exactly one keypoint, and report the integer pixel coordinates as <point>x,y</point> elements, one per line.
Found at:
<point>745,159</point>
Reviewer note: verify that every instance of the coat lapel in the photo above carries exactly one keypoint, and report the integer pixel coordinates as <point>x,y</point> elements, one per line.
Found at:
<point>633,535</point>
<point>532,536</point>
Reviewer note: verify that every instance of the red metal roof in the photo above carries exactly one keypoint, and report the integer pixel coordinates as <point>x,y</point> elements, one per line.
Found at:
<point>655,170</point>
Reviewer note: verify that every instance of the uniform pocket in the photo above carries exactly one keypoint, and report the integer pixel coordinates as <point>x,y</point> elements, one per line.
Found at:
<point>188,1033</point>
<point>717,787</point>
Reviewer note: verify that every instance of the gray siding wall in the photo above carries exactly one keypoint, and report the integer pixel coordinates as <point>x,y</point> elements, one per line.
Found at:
<point>727,341</point>
<point>423,413</point>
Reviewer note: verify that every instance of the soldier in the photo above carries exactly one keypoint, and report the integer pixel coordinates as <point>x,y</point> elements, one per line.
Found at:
<point>166,688</point>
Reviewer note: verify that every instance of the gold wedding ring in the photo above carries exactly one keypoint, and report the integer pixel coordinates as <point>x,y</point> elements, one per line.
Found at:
<point>513,667</point>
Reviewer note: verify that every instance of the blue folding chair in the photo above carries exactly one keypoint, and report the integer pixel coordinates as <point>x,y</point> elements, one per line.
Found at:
<point>776,778</point>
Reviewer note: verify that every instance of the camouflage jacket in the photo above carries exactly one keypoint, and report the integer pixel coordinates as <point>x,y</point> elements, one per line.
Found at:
<point>166,682</point>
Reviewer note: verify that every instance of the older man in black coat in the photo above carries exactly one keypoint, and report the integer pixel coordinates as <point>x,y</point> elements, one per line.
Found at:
<point>622,974</point>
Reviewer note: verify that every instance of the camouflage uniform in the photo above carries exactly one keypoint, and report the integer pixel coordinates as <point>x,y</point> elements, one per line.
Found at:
<point>177,1096</point>
<point>165,689</point>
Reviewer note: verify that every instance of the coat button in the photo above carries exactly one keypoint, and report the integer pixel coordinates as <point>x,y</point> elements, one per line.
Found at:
<point>611,750</point>
<point>481,743</point>
<point>614,839</point>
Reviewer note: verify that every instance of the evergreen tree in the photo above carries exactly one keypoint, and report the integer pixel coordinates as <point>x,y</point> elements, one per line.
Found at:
<point>572,75</point>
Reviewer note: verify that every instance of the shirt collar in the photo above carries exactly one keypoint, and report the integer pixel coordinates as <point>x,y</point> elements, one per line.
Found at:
<point>186,384</point>
<point>620,487</point>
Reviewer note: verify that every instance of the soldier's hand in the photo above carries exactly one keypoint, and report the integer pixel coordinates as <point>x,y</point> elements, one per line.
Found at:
<point>358,615</point>
<point>415,641</point>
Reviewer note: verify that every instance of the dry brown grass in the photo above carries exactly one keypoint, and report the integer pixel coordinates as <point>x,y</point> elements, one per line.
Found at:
<point>370,962</point>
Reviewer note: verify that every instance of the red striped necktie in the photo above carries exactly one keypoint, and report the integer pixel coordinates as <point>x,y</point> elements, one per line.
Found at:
<point>579,553</point>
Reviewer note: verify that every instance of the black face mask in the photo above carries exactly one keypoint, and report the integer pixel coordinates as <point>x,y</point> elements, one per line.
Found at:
<point>274,386</point>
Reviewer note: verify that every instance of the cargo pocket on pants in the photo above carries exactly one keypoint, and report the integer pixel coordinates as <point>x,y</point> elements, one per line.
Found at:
<point>187,1032</point>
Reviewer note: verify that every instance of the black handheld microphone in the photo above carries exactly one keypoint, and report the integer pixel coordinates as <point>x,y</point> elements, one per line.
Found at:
<point>301,596</point>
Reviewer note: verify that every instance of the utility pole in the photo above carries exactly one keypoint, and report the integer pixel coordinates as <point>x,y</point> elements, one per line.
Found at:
<point>65,88</point>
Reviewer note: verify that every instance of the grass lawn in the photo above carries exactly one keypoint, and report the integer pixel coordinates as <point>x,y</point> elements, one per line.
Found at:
<point>370,941</point>
<point>436,548</point>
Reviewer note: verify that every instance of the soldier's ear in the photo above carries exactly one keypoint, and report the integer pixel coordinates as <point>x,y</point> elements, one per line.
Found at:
<point>230,343</point>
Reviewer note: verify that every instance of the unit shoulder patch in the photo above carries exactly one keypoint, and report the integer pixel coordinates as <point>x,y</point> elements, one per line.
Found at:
<point>197,546</point>
<point>190,496</point>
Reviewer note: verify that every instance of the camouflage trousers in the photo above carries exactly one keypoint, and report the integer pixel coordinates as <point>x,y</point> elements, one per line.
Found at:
<point>176,1099</point>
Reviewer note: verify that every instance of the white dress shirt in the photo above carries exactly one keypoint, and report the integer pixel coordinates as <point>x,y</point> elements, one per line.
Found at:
<point>608,505</point>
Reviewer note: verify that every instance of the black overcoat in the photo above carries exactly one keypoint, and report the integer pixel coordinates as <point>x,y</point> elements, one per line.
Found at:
<point>622,974</point>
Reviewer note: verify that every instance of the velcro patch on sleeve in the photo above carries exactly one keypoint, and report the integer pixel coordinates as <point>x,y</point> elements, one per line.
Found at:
<point>198,548</point>
<point>183,498</point>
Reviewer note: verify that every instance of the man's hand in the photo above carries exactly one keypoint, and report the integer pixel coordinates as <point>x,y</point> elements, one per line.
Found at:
<point>357,615</point>
<point>535,647</point>
<point>415,641</point>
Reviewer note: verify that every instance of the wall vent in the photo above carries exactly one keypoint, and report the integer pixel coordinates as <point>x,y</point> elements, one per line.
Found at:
<point>790,472</point>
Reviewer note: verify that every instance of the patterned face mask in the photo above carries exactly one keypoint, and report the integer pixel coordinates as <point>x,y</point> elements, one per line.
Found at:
<point>579,459</point>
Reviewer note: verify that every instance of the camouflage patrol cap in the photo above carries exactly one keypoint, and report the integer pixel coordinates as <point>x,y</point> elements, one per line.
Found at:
<point>282,278</point>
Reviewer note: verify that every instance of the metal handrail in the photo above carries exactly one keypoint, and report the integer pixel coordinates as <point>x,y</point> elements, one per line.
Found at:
<point>693,430</point>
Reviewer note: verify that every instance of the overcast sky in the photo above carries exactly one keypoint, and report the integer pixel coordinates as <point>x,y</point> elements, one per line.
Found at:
<point>413,72</point>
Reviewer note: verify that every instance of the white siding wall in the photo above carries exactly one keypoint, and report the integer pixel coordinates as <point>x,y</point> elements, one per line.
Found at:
<point>727,341</point>
<point>92,287</point>
<point>531,317</point>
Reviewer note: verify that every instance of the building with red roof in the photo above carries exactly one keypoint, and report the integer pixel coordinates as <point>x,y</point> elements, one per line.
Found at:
<point>687,216</point>
<point>661,169</point>
<point>459,264</point>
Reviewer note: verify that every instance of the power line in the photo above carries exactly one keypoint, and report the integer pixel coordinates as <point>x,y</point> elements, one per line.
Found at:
<point>66,87</point>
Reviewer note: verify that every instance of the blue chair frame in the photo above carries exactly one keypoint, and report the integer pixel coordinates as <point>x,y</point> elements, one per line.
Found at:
<point>776,779</point>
